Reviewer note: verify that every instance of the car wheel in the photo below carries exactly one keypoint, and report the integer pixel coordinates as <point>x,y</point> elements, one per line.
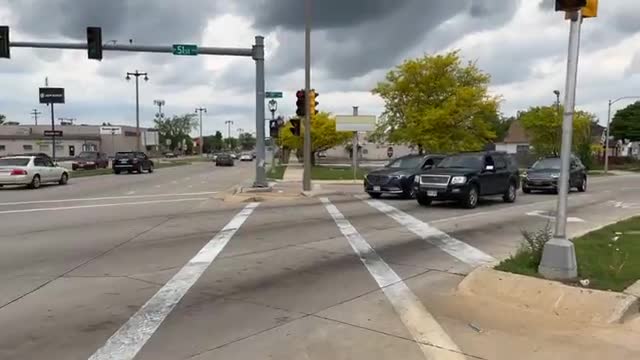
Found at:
<point>64,179</point>
<point>150,168</point>
<point>471,200</point>
<point>375,195</point>
<point>35,182</point>
<point>583,185</point>
<point>526,190</point>
<point>409,193</point>
<point>423,199</point>
<point>510,195</point>
<point>139,169</point>
<point>117,172</point>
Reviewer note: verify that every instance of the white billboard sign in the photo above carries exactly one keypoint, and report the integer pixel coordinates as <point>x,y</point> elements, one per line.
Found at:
<point>361,123</point>
<point>110,130</point>
<point>151,137</point>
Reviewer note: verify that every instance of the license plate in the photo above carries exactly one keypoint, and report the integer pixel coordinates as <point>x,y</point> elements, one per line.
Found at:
<point>432,193</point>
<point>123,161</point>
<point>376,188</point>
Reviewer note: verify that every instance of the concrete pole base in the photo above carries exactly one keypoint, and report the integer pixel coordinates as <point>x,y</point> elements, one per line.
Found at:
<point>559,260</point>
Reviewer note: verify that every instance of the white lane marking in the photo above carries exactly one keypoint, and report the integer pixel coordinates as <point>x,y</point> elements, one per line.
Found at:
<point>542,214</point>
<point>158,186</point>
<point>420,323</point>
<point>131,337</point>
<point>454,247</point>
<point>100,205</point>
<point>106,198</point>
<point>174,182</point>
<point>131,192</point>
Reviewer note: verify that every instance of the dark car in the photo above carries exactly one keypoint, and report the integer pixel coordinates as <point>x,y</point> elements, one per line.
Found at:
<point>466,177</point>
<point>397,176</point>
<point>90,160</point>
<point>131,161</point>
<point>544,174</point>
<point>224,160</point>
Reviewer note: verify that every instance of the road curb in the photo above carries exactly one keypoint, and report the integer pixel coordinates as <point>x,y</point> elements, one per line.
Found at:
<point>549,297</point>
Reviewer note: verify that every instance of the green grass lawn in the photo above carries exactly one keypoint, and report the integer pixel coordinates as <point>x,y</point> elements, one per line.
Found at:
<point>608,263</point>
<point>276,172</point>
<point>336,173</point>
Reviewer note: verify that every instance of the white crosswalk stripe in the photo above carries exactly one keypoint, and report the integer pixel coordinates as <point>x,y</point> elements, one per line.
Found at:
<point>454,247</point>
<point>434,342</point>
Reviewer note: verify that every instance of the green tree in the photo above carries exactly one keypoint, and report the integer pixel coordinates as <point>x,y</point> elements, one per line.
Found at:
<point>438,104</point>
<point>246,141</point>
<point>323,135</point>
<point>543,125</point>
<point>213,142</point>
<point>500,125</point>
<point>176,129</point>
<point>626,123</point>
<point>2,119</point>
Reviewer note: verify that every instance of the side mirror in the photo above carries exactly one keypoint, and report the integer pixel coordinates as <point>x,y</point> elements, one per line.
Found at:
<point>489,168</point>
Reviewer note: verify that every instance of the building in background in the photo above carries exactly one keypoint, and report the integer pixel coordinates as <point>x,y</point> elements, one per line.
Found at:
<point>18,139</point>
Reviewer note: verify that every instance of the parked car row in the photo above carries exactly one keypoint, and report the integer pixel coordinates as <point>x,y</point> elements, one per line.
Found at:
<point>466,177</point>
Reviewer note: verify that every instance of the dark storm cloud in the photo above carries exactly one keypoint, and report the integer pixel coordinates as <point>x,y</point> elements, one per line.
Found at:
<point>352,38</point>
<point>159,21</point>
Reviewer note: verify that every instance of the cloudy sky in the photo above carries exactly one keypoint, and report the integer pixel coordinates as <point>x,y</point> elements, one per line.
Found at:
<point>521,43</point>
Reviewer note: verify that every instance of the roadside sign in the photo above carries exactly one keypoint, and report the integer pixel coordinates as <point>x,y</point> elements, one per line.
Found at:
<point>185,49</point>
<point>110,130</point>
<point>50,95</point>
<point>355,123</point>
<point>56,133</point>
<point>273,95</point>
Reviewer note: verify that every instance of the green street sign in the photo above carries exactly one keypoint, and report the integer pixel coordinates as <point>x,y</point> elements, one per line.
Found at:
<point>185,49</point>
<point>273,94</point>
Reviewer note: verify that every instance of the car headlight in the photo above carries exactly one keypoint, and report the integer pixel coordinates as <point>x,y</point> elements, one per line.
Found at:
<point>416,179</point>
<point>555,176</point>
<point>458,180</point>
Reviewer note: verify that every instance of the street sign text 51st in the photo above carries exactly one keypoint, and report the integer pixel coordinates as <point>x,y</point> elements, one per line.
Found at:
<point>185,49</point>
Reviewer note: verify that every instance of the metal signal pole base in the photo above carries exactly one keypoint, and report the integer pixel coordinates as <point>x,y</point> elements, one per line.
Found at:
<point>559,260</point>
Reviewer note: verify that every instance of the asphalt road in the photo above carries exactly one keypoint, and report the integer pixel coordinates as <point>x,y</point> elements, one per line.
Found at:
<point>155,267</point>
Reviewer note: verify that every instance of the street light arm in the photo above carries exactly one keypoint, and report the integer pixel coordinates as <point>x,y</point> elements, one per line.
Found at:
<point>623,98</point>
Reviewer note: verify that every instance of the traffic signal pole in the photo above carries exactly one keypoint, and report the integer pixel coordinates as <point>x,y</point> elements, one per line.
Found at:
<point>559,254</point>
<point>256,52</point>
<point>306,176</point>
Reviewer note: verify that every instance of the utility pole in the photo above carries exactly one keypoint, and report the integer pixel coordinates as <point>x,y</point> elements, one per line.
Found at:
<point>35,114</point>
<point>229,123</point>
<point>306,177</point>
<point>137,74</point>
<point>559,254</point>
<point>354,148</point>
<point>201,110</point>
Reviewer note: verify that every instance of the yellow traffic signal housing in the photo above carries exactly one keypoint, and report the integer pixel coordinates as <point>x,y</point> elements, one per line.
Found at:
<point>313,103</point>
<point>591,9</point>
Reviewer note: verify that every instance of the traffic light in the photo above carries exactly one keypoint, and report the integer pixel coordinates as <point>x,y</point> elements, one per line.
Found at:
<point>313,103</point>
<point>570,5</point>
<point>591,9</point>
<point>300,103</point>
<point>94,42</point>
<point>4,42</point>
<point>295,127</point>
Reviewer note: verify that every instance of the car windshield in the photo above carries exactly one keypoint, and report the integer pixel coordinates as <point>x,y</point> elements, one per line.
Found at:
<point>547,164</point>
<point>87,155</point>
<point>461,161</point>
<point>125,155</point>
<point>405,163</point>
<point>14,162</point>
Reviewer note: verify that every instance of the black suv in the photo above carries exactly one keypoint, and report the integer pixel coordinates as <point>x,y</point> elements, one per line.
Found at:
<point>544,174</point>
<point>397,176</point>
<point>467,176</point>
<point>131,161</point>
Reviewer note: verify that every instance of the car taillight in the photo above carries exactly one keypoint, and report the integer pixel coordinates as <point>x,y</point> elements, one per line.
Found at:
<point>18,172</point>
